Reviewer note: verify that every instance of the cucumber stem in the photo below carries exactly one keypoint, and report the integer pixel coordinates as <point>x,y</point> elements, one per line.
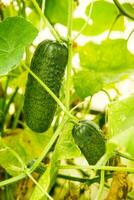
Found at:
<point>113,24</point>
<point>87,181</point>
<point>86,23</point>
<point>39,186</point>
<point>53,31</point>
<point>93,167</point>
<point>102,181</point>
<point>69,65</point>
<point>122,10</point>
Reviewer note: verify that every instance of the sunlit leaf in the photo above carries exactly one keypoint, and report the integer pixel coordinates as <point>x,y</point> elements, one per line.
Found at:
<point>15,34</point>
<point>102,65</point>
<point>121,124</point>
<point>44,181</point>
<point>120,116</point>
<point>66,148</point>
<point>103,16</point>
<point>124,141</point>
<point>56,11</point>
<point>87,83</point>
<point>27,144</point>
<point>111,55</point>
<point>129,8</point>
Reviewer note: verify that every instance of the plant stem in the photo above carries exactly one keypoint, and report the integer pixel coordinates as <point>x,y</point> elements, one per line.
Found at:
<point>113,24</point>
<point>39,186</point>
<point>86,23</point>
<point>42,9</point>
<point>108,95</point>
<point>93,167</point>
<point>12,180</point>
<point>69,65</point>
<point>52,94</point>
<point>70,19</point>
<point>53,31</point>
<point>103,160</point>
<point>102,180</point>
<point>48,147</point>
<point>35,165</point>
<point>6,110</point>
<point>130,35</point>
<point>122,10</point>
<point>88,181</point>
<point>5,91</point>
<point>7,189</point>
<point>26,171</point>
<point>11,100</point>
<point>124,156</point>
<point>68,77</point>
<point>15,122</point>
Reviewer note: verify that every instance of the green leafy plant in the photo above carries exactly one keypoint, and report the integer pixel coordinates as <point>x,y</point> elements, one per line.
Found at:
<point>83,55</point>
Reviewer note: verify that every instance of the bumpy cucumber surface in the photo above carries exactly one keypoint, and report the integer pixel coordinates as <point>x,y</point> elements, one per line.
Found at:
<point>48,63</point>
<point>87,136</point>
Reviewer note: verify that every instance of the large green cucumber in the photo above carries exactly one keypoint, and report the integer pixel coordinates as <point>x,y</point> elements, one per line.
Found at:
<point>87,136</point>
<point>48,63</point>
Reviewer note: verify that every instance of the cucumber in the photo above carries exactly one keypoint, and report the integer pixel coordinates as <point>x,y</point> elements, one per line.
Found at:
<point>87,136</point>
<point>48,63</point>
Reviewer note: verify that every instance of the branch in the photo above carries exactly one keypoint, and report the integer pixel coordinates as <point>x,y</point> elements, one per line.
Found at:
<point>122,10</point>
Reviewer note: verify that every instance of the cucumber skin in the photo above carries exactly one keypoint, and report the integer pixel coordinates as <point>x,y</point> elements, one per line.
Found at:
<point>48,63</point>
<point>88,137</point>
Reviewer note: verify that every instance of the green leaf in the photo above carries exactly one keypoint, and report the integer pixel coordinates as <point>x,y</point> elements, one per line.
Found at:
<point>66,147</point>
<point>26,143</point>
<point>87,83</point>
<point>44,181</point>
<point>110,56</point>
<point>8,161</point>
<point>102,65</point>
<point>103,16</point>
<point>56,11</point>
<point>19,81</point>
<point>124,141</point>
<point>121,124</point>
<point>15,34</point>
<point>129,7</point>
<point>121,116</point>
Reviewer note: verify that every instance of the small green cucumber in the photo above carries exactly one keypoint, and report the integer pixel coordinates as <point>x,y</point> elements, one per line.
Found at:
<point>48,63</point>
<point>87,136</point>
